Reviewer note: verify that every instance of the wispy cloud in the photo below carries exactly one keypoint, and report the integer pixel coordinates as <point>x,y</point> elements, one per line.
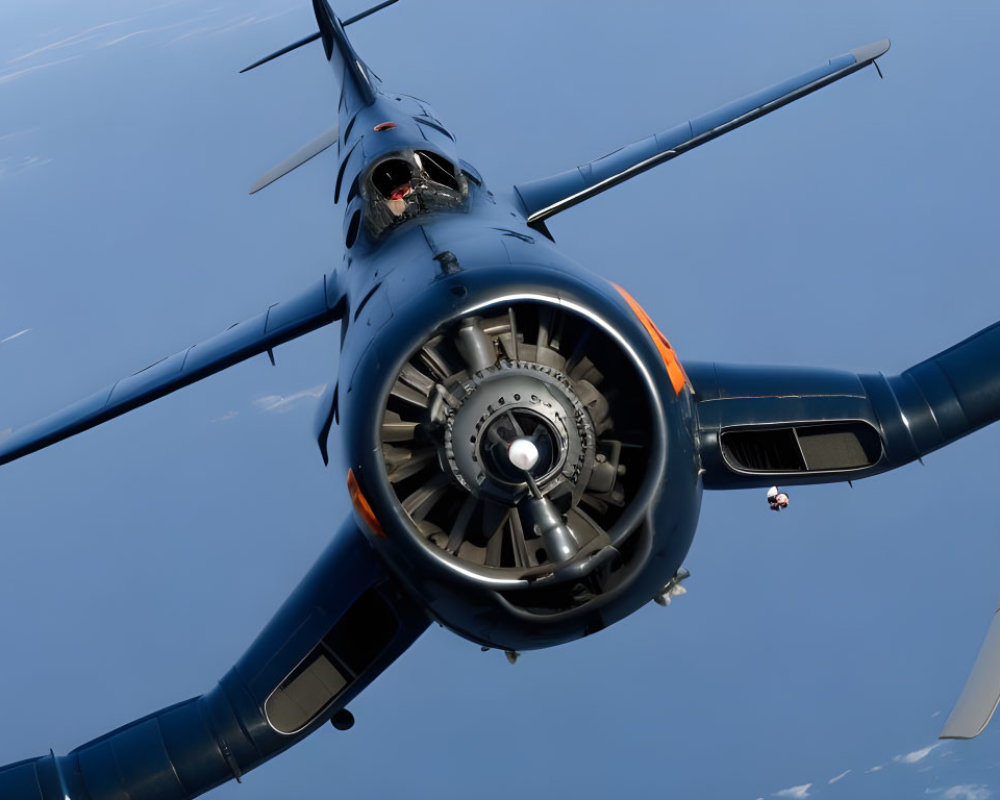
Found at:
<point>14,134</point>
<point>118,39</point>
<point>239,22</point>
<point>917,755</point>
<point>76,38</point>
<point>142,31</point>
<point>251,19</point>
<point>281,403</point>
<point>10,76</point>
<point>189,34</point>
<point>227,416</point>
<point>15,335</point>
<point>92,37</point>
<point>967,791</point>
<point>226,26</point>
<point>959,792</point>
<point>107,34</point>
<point>12,166</point>
<point>795,792</point>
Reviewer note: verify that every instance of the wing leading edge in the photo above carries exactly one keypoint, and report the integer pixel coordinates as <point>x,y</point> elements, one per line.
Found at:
<point>319,305</point>
<point>547,196</point>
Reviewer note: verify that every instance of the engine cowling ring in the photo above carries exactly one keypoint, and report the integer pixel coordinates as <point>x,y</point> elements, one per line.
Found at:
<point>580,388</point>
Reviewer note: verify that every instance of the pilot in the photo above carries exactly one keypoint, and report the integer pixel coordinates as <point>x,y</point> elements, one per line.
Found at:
<point>776,499</point>
<point>392,179</point>
<point>396,203</point>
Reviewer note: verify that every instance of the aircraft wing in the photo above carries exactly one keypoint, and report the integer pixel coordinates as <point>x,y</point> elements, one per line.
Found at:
<point>344,624</point>
<point>759,426</point>
<point>319,305</point>
<point>547,196</point>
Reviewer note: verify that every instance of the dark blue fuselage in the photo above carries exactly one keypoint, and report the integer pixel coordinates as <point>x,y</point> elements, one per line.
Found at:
<point>433,269</point>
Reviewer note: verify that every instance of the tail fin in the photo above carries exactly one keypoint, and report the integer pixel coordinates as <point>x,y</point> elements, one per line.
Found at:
<point>356,81</point>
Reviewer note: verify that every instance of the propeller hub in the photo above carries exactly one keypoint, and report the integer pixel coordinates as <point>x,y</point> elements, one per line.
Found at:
<point>523,453</point>
<point>522,441</point>
<point>515,418</point>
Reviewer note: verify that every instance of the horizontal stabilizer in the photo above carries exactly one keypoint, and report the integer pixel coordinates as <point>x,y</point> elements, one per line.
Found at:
<point>294,46</point>
<point>367,12</point>
<point>298,158</point>
<point>314,36</point>
<point>548,196</point>
<point>981,694</point>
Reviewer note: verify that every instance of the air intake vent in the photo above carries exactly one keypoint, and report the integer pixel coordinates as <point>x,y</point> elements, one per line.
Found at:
<point>832,447</point>
<point>774,450</point>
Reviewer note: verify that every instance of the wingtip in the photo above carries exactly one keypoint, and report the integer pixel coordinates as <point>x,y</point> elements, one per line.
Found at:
<point>949,732</point>
<point>869,52</point>
<point>965,723</point>
<point>981,694</point>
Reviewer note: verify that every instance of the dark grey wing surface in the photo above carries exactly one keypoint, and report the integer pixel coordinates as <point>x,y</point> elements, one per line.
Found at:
<point>760,426</point>
<point>343,626</point>
<point>319,305</point>
<point>547,196</point>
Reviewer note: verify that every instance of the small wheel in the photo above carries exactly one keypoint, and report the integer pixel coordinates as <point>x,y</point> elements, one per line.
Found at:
<point>342,720</point>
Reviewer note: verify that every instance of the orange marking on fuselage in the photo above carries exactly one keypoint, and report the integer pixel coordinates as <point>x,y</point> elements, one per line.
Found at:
<point>678,378</point>
<point>362,506</point>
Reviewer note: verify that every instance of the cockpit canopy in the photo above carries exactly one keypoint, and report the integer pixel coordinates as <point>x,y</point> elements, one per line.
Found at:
<point>407,184</point>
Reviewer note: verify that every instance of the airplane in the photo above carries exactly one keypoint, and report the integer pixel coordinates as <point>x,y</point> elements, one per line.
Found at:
<point>824,433</point>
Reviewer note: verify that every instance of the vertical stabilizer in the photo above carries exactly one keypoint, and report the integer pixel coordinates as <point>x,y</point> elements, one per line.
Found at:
<point>356,81</point>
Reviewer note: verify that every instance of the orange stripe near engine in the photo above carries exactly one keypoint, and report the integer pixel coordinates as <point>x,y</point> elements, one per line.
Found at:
<point>361,505</point>
<point>678,378</point>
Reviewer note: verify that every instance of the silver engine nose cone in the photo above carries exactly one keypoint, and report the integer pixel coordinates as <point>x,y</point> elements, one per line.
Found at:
<point>523,453</point>
<point>511,401</point>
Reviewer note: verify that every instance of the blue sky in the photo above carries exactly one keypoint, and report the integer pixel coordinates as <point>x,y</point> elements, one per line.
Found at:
<point>854,229</point>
